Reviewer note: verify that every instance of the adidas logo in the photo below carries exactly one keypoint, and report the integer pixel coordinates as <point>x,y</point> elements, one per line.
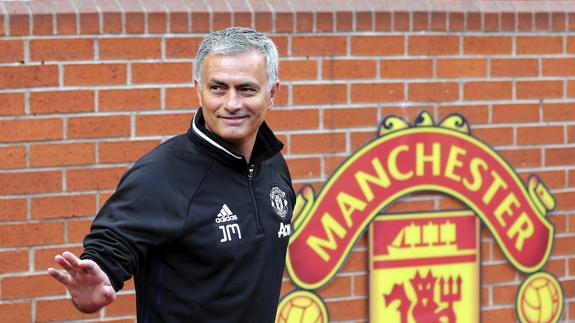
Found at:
<point>226,215</point>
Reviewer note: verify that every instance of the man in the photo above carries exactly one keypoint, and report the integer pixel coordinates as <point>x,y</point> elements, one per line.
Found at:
<point>202,221</point>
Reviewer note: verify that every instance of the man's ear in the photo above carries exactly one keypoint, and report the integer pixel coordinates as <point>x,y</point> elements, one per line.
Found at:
<point>273,93</point>
<point>198,91</point>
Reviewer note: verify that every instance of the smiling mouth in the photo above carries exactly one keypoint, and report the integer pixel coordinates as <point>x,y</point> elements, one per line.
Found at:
<point>232,120</point>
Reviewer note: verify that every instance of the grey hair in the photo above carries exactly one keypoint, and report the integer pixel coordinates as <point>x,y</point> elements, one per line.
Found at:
<point>237,40</point>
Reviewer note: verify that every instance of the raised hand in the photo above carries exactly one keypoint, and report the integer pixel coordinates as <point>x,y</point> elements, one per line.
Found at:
<point>88,285</point>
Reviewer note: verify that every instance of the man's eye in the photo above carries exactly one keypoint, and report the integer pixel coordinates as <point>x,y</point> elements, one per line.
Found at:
<point>216,88</point>
<point>248,91</point>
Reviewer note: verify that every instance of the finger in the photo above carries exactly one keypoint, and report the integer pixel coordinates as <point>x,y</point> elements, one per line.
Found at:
<point>72,259</point>
<point>59,276</point>
<point>63,263</point>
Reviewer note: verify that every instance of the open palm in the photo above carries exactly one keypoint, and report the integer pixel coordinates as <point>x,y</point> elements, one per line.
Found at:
<point>88,285</point>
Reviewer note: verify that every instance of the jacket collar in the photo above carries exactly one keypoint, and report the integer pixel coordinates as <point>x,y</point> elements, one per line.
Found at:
<point>266,144</point>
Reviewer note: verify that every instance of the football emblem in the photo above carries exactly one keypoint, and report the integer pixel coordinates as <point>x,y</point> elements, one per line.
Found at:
<point>279,201</point>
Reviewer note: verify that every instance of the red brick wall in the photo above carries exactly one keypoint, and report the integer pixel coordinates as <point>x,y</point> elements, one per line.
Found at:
<point>86,87</point>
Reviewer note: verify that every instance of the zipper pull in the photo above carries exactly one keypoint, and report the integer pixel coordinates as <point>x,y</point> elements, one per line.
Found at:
<point>251,171</point>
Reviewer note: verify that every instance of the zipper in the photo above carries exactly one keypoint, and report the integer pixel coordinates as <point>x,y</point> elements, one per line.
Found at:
<point>251,170</point>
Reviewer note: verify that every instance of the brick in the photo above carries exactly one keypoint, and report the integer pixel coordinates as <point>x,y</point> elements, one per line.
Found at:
<point>438,21</point>
<point>13,261</point>
<point>243,19</point>
<point>263,21</point>
<point>501,136</point>
<point>298,70</point>
<point>558,111</point>
<point>28,76</point>
<point>377,45</point>
<point>558,22</point>
<point>162,73</point>
<point>406,68</point>
<point>349,118</point>
<point>11,103</point>
<point>77,230</point>
<point>65,206</point>
<point>30,182</point>
<point>304,21</point>
<point>95,74</point>
<point>30,286</point>
<point>94,178</point>
<point>498,315</point>
<point>298,119</point>
<point>66,154</point>
<point>473,21</point>
<point>319,94</point>
<point>504,294</point>
<point>444,91</point>
<point>11,51</point>
<point>340,286</point>
<point>449,203</point>
<point>505,67</point>
<point>12,210</point>
<point>363,21</point>
<point>31,234</point>
<point>461,67</point>
<point>401,21</point>
<point>564,245</point>
<point>518,158</point>
<point>179,22</point>
<point>124,305</point>
<point>474,114</point>
<point>284,22</point>
<point>360,138</point>
<point>130,99</point>
<point>112,22</point>
<point>516,113</point>
<point>525,21</point>
<point>571,134</point>
<point>181,98</point>
<point>539,45</point>
<point>487,45</point>
<point>124,151</point>
<point>559,156</point>
<point>130,48</point>
<point>135,22</point>
<point>456,21</point>
<point>542,21</point>
<point>66,23</point>
<point>30,129</point>
<point>570,89</point>
<point>377,92</point>
<point>349,69</point>
<point>42,24</point>
<point>433,45</point>
<point>59,310</point>
<point>318,45</point>
<point>156,22</point>
<point>99,127</point>
<point>89,23</point>
<point>487,90</point>
<point>543,135</point>
<point>420,21</point>
<point>410,206</point>
<point>571,41</point>
<point>491,22</point>
<point>331,163</point>
<point>360,285</point>
<point>317,143</point>
<point>382,21</point>
<point>62,49</point>
<point>353,309</point>
<point>497,273</point>
<point>281,44</point>
<point>558,66</point>
<point>16,312</point>
<point>44,257</point>
<point>162,124</point>
<point>12,157</point>
<point>305,167</point>
<point>539,89</point>
<point>508,21</point>
<point>181,47</point>
<point>324,21</point>
<point>61,102</point>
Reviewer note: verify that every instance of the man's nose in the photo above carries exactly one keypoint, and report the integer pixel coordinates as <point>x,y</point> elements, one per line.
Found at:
<point>234,101</point>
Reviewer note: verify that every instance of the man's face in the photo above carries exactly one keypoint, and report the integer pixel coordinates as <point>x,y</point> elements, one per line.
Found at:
<point>234,96</point>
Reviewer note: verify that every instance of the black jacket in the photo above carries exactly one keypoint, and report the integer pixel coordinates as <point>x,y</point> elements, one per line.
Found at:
<point>204,233</point>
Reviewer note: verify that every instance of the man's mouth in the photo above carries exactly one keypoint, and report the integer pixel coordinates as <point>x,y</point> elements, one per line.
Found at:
<point>233,120</point>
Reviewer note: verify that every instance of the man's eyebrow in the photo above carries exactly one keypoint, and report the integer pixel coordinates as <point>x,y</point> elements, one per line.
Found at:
<point>248,84</point>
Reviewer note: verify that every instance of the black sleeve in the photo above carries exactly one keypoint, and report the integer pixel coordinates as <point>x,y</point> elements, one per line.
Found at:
<point>145,211</point>
<point>279,164</point>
